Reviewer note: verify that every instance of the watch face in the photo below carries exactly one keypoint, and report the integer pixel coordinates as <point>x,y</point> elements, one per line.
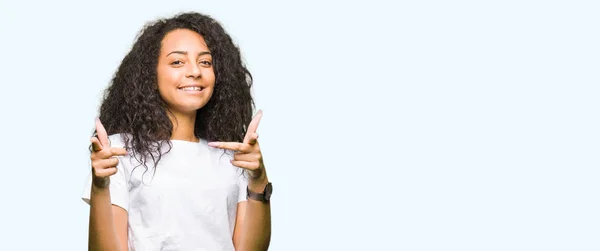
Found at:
<point>268,191</point>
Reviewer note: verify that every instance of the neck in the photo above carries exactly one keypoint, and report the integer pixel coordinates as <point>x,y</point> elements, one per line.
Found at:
<point>183,126</point>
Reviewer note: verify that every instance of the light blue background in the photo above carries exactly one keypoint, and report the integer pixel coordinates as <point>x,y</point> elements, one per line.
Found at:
<point>416,125</point>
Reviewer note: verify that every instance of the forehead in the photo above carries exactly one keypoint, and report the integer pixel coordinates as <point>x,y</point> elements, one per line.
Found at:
<point>183,40</point>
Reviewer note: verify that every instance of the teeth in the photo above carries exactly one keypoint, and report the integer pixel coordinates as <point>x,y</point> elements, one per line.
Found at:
<point>191,88</point>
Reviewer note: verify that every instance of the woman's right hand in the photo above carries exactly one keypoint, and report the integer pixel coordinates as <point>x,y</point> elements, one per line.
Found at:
<point>104,160</point>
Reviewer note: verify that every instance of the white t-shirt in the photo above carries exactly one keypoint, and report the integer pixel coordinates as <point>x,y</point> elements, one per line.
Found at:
<point>190,203</point>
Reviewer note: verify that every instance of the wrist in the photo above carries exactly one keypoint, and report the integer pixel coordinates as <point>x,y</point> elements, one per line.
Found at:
<point>100,182</point>
<point>263,196</point>
<point>258,185</point>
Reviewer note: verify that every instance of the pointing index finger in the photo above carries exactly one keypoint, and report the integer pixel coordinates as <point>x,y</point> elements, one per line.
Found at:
<point>235,146</point>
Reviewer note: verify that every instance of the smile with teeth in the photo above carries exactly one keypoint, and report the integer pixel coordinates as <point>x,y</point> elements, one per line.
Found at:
<point>191,88</point>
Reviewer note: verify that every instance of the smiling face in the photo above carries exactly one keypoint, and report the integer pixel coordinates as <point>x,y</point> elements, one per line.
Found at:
<point>185,73</point>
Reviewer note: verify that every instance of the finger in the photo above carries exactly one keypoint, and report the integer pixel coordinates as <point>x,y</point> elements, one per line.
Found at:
<point>118,151</point>
<point>247,156</point>
<point>253,126</point>
<point>235,146</point>
<point>108,153</point>
<point>105,163</point>
<point>253,139</point>
<point>105,172</point>
<point>246,164</point>
<point>96,145</point>
<point>102,135</point>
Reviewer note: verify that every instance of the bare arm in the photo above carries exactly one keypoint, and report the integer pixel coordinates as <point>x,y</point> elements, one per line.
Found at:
<point>253,219</point>
<point>108,223</point>
<point>253,223</point>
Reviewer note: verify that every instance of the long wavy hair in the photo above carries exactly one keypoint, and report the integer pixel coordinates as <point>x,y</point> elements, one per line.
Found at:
<point>132,104</point>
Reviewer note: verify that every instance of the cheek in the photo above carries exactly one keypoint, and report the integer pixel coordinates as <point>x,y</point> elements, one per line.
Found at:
<point>166,79</point>
<point>162,88</point>
<point>209,77</point>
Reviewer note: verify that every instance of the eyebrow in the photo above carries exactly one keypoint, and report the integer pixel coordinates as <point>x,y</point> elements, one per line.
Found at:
<point>185,53</point>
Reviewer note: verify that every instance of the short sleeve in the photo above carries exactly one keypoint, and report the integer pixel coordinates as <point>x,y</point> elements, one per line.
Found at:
<point>243,184</point>
<point>119,191</point>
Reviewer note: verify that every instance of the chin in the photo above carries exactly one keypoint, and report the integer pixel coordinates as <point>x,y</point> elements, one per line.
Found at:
<point>188,108</point>
<point>187,104</point>
<point>196,107</point>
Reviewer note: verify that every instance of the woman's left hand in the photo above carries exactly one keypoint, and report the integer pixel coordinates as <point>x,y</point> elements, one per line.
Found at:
<point>247,154</point>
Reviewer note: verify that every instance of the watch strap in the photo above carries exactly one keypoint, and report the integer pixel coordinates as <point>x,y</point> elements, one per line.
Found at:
<point>255,196</point>
<point>264,196</point>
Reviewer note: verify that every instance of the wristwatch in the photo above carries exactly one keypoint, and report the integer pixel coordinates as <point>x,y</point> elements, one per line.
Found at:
<point>265,196</point>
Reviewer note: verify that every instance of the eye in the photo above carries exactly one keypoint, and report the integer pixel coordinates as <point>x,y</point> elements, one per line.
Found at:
<point>205,62</point>
<point>177,62</point>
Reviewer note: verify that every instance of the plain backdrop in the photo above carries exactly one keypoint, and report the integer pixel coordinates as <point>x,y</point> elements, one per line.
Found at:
<point>400,125</point>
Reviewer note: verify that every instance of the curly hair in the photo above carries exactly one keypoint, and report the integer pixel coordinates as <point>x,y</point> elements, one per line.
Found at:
<point>132,104</point>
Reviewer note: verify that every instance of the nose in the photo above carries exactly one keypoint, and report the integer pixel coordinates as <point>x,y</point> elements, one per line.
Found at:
<point>194,71</point>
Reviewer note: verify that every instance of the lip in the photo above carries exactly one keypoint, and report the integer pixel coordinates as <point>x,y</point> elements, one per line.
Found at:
<point>191,91</point>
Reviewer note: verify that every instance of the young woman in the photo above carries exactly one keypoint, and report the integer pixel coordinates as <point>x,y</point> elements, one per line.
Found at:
<point>176,163</point>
